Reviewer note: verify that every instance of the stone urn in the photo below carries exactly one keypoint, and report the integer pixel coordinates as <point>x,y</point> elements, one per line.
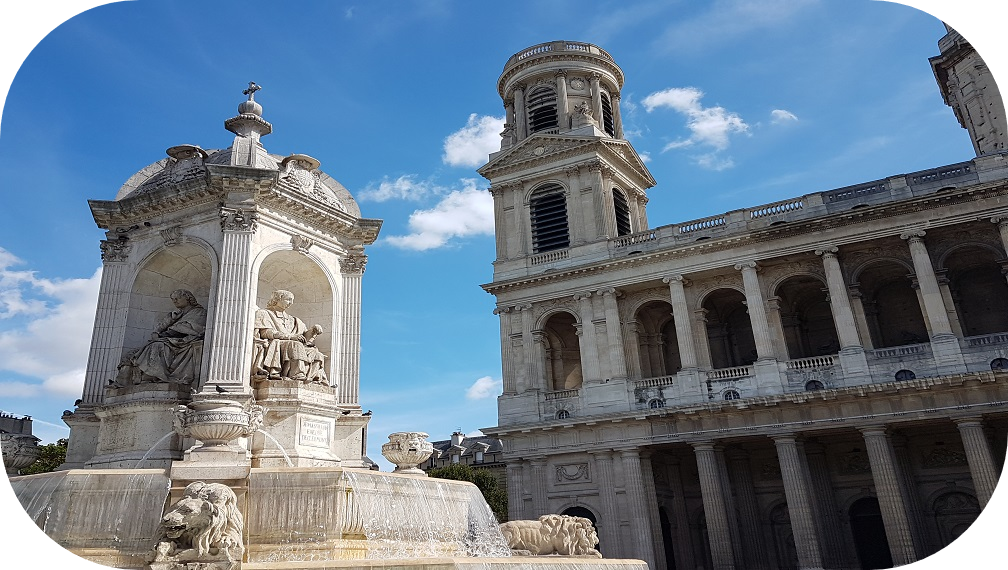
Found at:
<point>217,422</point>
<point>19,451</point>
<point>407,449</point>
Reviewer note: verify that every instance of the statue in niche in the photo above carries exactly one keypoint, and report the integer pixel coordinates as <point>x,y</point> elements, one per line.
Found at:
<point>175,349</point>
<point>283,347</point>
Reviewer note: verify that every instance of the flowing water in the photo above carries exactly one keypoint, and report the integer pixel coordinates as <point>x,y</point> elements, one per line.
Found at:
<point>159,442</point>
<point>280,447</point>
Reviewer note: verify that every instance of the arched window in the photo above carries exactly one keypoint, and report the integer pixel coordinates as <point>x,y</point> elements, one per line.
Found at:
<point>999,364</point>
<point>548,207</point>
<point>656,403</point>
<point>813,385</point>
<point>731,395</point>
<point>622,210</point>
<point>607,116</point>
<point>562,414</point>
<point>905,375</point>
<point>542,109</point>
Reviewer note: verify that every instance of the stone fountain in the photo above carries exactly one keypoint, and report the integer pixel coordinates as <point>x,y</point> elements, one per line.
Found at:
<point>219,425</point>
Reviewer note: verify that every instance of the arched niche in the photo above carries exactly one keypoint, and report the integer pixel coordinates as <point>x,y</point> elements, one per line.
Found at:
<point>183,266</point>
<point>562,352</point>
<point>313,294</point>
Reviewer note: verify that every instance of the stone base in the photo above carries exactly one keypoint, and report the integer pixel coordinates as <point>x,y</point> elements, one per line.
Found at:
<point>134,420</point>
<point>512,563</point>
<point>308,423</point>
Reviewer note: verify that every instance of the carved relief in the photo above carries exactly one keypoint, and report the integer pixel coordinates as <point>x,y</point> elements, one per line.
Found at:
<point>774,275</point>
<point>770,471</point>
<point>301,243</point>
<point>113,251</point>
<point>854,463</point>
<point>238,220</point>
<point>171,235</point>
<point>573,472</point>
<point>943,457</point>
<point>353,263</point>
<point>203,526</point>
<point>186,162</point>
<point>545,307</point>
<point>729,281</point>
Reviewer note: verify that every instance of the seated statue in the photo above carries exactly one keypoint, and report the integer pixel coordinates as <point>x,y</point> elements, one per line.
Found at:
<point>283,344</point>
<point>175,349</point>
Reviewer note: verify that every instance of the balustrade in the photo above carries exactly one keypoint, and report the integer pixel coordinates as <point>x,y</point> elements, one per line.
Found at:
<point>655,382</point>
<point>729,373</point>
<point>811,363</point>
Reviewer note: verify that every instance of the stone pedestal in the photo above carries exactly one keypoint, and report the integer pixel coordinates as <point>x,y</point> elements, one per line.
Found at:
<point>306,420</point>
<point>136,421</point>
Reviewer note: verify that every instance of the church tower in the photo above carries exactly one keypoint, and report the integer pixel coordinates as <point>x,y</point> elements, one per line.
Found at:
<point>565,178</point>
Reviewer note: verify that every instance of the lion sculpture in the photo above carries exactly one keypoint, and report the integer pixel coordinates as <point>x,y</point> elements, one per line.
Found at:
<point>552,534</point>
<point>205,524</point>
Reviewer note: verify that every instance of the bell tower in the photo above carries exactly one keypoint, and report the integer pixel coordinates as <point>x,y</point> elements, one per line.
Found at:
<point>565,178</point>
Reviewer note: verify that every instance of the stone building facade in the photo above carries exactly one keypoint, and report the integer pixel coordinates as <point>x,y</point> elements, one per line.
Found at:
<point>777,386</point>
<point>478,452</point>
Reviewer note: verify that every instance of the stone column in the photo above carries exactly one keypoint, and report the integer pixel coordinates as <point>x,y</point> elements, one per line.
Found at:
<point>740,478</point>
<point>757,309</point>
<point>540,501</point>
<point>699,327</point>
<point>890,495</point>
<point>561,84</point>
<point>231,354</point>
<point>651,496</point>
<point>614,332</point>
<point>948,301</point>
<point>859,316</point>
<point>617,116</point>
<point>609,535</point>
<point>945,347</point>
<point>603,218</point>
<point>522,227</point>
<point>589,344</point>
<point>352,269</point>
<point>507,365</point>
<point>110,321</point>
<point>682,546</point>
<point>632,340</point>
<point>909,488</point>
<point>798,493</point>
<point>521,121</point>
<point>777,327</point>
<point>500,224</point>
<point>979,457</point>
<point>834,555</point>
<point>680,315</point>
<point>1002,226</point>
<point>576,228</point>
<point>596,92</point>
<point>852,356</point>
<point>527,349</point>
<point>637,507</point>
<point>642,201</point>
<point>515,483</point>
<point>715,511</point>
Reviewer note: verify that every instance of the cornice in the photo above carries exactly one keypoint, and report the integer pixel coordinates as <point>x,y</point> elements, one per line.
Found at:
<point>563,56</point>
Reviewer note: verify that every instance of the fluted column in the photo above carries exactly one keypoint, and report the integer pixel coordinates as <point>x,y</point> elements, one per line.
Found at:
<point>602,214</point>
<point>799,500</point>
<point>834,555</point>
<point>352,268</point>
<point>532,380</point>
<point>633,361</point>
<point>561,84</point>
<point>680,315</point>
<point>757,309</point>
<point>979,457</point>
<point>576,228</point>
<point>110,321</point>
<point>596,93</point>
<point>617,116</point>
<point>890,495</point>
<point>682,546</point>
<point>507,365</point>
<point>860,317</point>
<point>609,535</point>
<point>521,122</point>
<point>636,507</point>
<point>588,342</point>
<point>230,357</point>
<point>540,500</point>
<point>515,484</point>
<point>715,511</point>
<point>740,477</point>
<point>843,314</point>
<point>654,519</point>
<point>934,306</point>
<point>522,225</point>
<point>614,332</point>
<point>700,336</point>
<point>500,223</point>
<point>1002,226</point>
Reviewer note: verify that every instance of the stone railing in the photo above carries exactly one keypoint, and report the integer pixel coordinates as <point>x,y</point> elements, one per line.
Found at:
<point>941,173</point>
<point>549,256</point>
<point>561,394</point>
<point>555,47</point>
<point>906,350</point>
<point>729,373</point>
<point>655,382</point>
<point>811,363</point>
<point>776,208</point>
<point>856,191</point>
<point>985,340</point>
<point>632,239</point>
<point>701,224</point>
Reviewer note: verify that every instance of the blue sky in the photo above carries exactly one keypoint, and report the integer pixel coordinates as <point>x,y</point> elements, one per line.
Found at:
<point>732,104</point>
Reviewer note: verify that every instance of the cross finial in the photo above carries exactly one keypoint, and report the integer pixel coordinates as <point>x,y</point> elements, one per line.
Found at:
<point>252,88</point>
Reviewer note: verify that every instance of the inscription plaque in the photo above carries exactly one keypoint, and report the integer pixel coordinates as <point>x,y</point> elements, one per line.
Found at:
<point>315,433</point>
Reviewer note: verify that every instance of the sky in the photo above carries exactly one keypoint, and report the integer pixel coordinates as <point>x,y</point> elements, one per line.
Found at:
<point>730,103</point>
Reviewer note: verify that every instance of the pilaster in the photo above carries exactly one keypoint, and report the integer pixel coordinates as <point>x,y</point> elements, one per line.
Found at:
<point>799,500</point>
<point>540,500</point>
<point>754,553</point>
<point>636,507</point>
<point>609,525</point>
<point>890,495</point>
<point>682,544</point>
<point>507,365</point>
<point>715,509</point>
<point>515,483</point>
<point>352,269</point>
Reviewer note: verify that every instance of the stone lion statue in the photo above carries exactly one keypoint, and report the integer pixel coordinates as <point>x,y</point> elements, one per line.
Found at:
<point>552,534</point>
<point>204,525</point>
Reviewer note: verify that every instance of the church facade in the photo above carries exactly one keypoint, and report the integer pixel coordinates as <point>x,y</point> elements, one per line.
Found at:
<point>777,386</point>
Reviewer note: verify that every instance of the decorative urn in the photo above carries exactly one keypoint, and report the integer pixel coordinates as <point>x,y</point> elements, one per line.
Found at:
<point>19,451</point>
<point>216,423</point>
<point>407,449</point>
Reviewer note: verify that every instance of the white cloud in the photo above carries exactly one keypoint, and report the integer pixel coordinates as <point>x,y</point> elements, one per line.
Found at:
<point>713,161</point>
<point>723,22</point>
<point>461,213</point>
<point>484,387</point>
<point>51,338</point>
<point>708,125</point>
<point>405,187</point>
<point>778,116</point>
<point>471,145</point>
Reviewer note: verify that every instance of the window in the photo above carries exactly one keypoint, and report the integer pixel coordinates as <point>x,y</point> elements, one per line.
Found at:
<point>813,385</point>
<point>542,109</point>
<point>479,457</point>
<point>999,364</point>
<point>548,207</point>
<point>622,209</point>
<point>656,403</point>
<point>731,395</point>
<point>562,414</point>
<point>455,458</point>
<point>905,375</point>
<point>607,116</point>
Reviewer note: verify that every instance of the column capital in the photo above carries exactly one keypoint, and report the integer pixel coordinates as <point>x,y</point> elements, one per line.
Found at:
<point>678,277</point>
<point>114,251</point>
<point>572,171</point>
<point>582,295</point>
<point>874,431</point>
<point>913,236</point>
<point>786,438</point>
<point>502,310</point>
<point>1001,221</point>
<point>560,73</point>
<point>703,445</point>
<point>629,452</point>
<point>824,250</point>
<point>609,291</point>
<point>523,307</point>
<point>750,265</point>
<point>969,421</point>
<point>238,220</point>
<point>595,76</point>
<point>353,264</point>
